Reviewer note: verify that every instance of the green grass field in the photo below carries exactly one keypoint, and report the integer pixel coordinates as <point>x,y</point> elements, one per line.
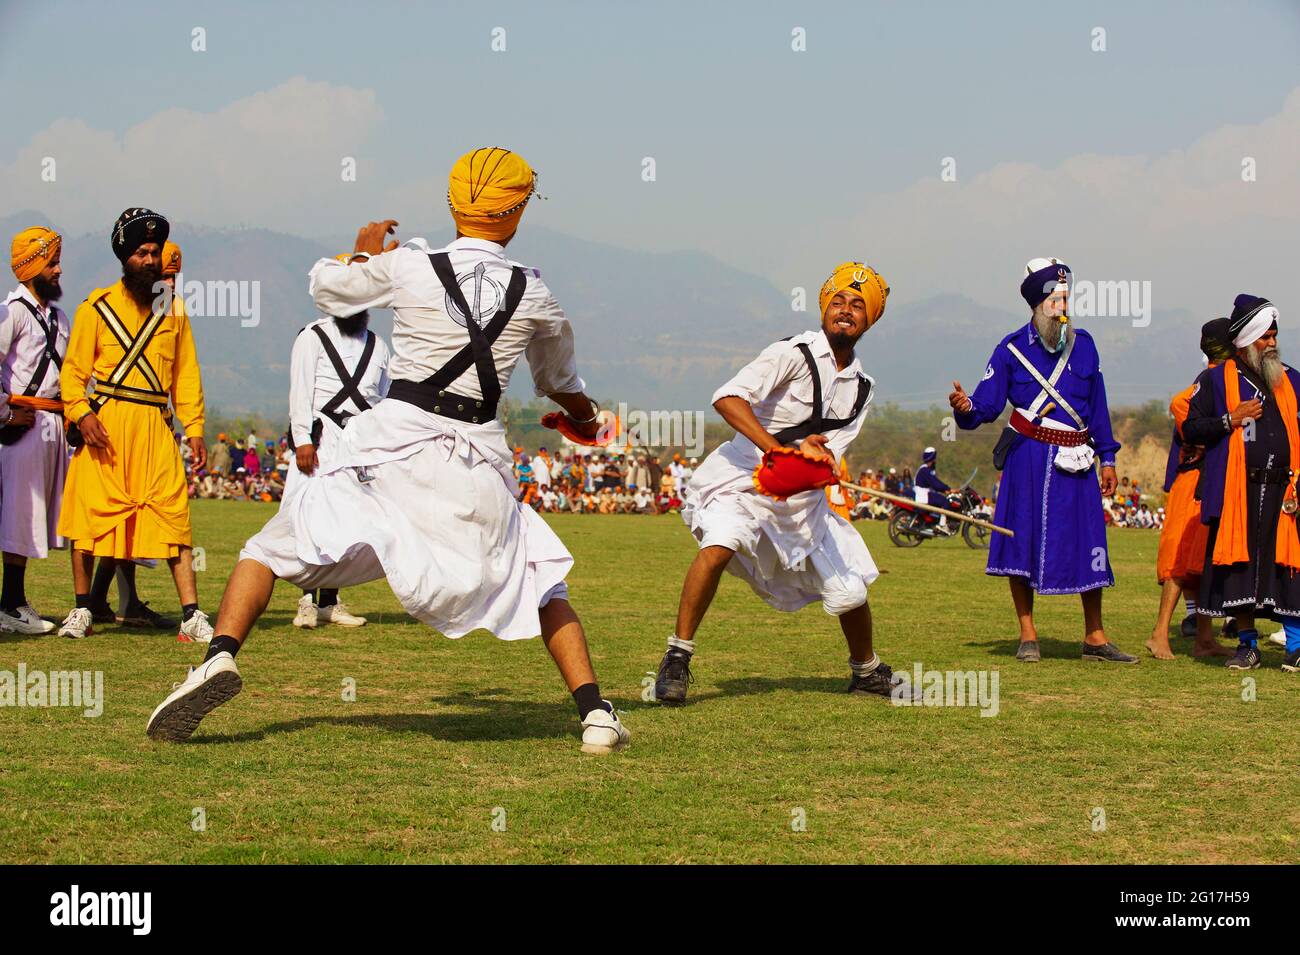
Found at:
<point>445,737</point>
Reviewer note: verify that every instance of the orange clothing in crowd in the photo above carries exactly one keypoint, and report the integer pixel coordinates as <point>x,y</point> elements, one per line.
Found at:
<point>1183,538</point>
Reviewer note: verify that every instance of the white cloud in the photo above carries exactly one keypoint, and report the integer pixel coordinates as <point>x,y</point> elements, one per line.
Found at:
<point>1184,220</point>
<point>272,159</point>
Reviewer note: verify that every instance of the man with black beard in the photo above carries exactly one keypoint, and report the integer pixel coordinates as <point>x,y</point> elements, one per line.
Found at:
<point>33,449</point>
<point>1244,413</point>
<point>338,368</point>
<point>806,395</point>
<point>126,494</point>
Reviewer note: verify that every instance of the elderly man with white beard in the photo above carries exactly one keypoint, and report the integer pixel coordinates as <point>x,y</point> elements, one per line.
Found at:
<point>1243,412</point>
<point>1059,430</point>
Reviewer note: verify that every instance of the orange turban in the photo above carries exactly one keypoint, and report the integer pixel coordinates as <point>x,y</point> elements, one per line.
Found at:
<point>860,279</point>
<point>32,250</point>
<point>171,258</point>
<point>487,192</point>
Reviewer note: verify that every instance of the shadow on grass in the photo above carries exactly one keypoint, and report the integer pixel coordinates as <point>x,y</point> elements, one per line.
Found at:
<point>493,720</point>
<point>1049,648</point>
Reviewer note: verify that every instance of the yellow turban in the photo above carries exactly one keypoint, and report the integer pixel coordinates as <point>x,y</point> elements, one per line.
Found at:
<point>860,279</point>
<point>32,251</point>
<point>487,192</point>
<point>171,258</point>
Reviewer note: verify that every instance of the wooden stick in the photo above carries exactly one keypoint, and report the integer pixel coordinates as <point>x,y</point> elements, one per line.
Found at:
<point>928,507</point>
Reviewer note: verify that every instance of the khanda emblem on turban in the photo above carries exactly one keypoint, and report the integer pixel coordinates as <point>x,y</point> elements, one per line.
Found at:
<point>484,294</point>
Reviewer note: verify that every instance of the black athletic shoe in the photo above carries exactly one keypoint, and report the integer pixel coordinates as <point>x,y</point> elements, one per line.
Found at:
<point>1028,652</point>
<point>674,676</point>
<point>1188,626</point>
<point>102,614</point>
<point>141,616</point>
<point>1291,662</point>
<point>1230,627</point>
<point>879,682</point>
<point>1246,658</point>
<point>1107,653</point>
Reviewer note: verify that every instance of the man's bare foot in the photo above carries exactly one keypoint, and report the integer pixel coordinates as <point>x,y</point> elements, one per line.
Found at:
<point>1159,646</point>
<point>1211,649</point>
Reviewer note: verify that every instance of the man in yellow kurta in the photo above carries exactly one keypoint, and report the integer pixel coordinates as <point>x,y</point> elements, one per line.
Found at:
<point>126,492</point>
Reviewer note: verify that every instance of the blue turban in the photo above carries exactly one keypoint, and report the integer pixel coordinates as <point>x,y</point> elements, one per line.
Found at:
<point>1042,276</point>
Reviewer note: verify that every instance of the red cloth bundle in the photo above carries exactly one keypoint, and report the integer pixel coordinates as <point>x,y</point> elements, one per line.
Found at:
<point>787,471</point>
<point>609,428</point>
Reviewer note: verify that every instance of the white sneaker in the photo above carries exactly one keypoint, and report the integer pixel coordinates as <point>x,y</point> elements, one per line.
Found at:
<point>206,687</point>
<point>77,624</point>
<point>1278,639</point>
<point>198,629</point>
<point>24,620</point>
<point>603,732</point>
<point>340,614</point>
<point>307,615</point>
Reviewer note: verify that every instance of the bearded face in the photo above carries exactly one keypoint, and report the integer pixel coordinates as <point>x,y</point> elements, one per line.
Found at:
<point>47,289</point>
<point>140,275</point>
<point>1264,362</point>
<point>1049,329</point>
<point>354,326</point>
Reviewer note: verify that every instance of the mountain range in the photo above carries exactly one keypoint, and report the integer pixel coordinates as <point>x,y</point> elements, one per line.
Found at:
<point>656,330</point>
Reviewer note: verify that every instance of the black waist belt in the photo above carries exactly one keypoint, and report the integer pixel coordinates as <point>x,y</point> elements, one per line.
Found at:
<point>1268,475</point>
<point>137,396</point>
<point>442,402</point>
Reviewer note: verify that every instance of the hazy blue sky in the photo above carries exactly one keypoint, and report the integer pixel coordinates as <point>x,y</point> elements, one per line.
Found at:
<point>778,161</point>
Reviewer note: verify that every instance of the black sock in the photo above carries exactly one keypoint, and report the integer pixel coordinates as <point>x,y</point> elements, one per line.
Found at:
<point>588,698</point>
<point>13,595</point>
<point>228,644</point>
<point>99,584</point>
<point>328,597</point>
<point>188,610</point>
<point>127,598</point>
<point>311,594</point>
<point>83,601</point>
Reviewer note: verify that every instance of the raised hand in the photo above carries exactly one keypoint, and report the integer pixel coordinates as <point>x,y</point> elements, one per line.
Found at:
<point>370,238</point>
<point>958,399</point>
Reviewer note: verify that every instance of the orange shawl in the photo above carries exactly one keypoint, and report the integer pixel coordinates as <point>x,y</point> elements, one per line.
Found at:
<point>1230,545</point>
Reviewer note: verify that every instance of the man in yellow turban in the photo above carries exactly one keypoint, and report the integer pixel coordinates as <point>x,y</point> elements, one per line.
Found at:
<point>33,450</point>
<point>487,192</point>
<point>418,489</point>
<point>808,395</point>
<point>126,495</point>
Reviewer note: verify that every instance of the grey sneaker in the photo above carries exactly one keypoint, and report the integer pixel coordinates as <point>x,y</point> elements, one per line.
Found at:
<point>1028,652</point>
<point>1246,658</point>
<point>1107,653</point>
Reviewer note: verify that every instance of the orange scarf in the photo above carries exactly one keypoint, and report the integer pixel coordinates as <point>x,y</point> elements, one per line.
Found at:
<point>1230,545</point>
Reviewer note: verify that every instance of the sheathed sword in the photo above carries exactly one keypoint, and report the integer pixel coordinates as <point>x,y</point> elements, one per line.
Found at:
<point>957,515</point>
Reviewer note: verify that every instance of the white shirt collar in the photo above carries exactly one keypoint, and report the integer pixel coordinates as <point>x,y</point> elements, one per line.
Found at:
<point>24,293</point>
<point>821,348</point>
<point>464,242</point>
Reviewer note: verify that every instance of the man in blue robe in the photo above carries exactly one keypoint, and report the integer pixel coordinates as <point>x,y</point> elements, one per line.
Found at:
<point>1049,494</point>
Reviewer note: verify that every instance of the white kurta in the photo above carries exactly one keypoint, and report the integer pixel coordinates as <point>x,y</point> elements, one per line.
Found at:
<point>32,470</point>
<point>313,383</point>
<point>795,551</point>
<point>438,516</point>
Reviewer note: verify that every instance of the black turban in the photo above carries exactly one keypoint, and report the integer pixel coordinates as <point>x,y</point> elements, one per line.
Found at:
<point>134,228</point>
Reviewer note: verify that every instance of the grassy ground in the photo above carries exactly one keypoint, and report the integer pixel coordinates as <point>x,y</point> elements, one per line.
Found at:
<point>446,737</point>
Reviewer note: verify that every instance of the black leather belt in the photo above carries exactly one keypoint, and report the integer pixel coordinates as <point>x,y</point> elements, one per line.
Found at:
<point>1268,475</point>
<point>439,401</point>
